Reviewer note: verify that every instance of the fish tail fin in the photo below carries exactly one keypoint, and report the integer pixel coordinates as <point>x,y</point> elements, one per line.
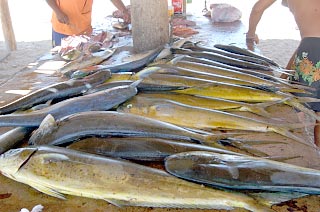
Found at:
<point>260,108</point>
<point>46,127</point>
<point>285,132</point>
<point>302,108</point>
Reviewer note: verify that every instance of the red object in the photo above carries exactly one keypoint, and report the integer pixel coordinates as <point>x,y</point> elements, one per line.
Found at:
<point>178,6</point>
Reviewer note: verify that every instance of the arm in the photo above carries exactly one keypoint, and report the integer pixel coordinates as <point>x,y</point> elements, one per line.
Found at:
<point>61,16</point>
<point>255,16</point>
<point>120,6</point>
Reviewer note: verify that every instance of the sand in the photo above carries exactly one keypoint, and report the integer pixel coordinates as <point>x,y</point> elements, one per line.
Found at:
<point>32,29</point>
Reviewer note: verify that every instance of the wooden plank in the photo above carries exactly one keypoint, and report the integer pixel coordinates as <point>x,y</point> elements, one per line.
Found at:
<point>7,28</point>
<point>150,24</point>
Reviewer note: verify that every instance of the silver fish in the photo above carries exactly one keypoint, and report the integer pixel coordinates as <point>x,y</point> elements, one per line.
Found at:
<point>102,100</point>
<point>57,171</point>
<point>243,172</point>
<point>59,90</point>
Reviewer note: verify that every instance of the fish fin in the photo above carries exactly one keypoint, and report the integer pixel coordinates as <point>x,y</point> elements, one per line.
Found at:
<point>253,142</point>
<point>118,203</point>
<point>294,90</point>
<point>176,59</point>
<point>244,147</point>
<point>48,191</point>
<point>46,127</point>
<point>281,159</point>
<point>302,108</point>
<point>288,134</point>
<point>136,83</point>
<point>303,99</point>
<point>271,198</point>
<point>54,157</point>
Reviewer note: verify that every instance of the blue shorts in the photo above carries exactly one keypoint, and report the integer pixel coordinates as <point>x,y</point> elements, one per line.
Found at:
<point>307,66</point>
<point>56,38</point>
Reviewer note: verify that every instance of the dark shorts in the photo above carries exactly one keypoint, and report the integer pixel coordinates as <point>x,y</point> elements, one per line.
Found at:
<point>56,38</point>
<point>307,66</point>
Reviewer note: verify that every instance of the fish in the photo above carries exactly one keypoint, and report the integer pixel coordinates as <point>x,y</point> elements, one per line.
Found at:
<point>139,148</point>
<point>212,103</point>
<point>223,71</point>
<point>197,47</point>
<point>13,137</point>
<point>108,85</point>
<point>112,123</point>
<point>217,75</point>
<point>60,90</point>
<point>102,100</point>
<point>180,78</point>
<point>222,59</point>
<point>243,172</point>
<point>264,84</point>
<point>247,52</point>
<point>257,73</point>
<point>160,82</point>
<point>201,118</point>
<point>134,61</point>
<point>58,171</point>
<point>117,79</point>
<point>246,94</point>
<point>232,92</point>
<point>86,61</point>
<point>176,70</point>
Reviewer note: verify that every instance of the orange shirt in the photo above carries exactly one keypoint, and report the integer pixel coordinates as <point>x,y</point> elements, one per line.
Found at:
<point>79,13</point>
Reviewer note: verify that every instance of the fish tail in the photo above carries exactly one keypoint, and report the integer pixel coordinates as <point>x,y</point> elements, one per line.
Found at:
<point>260,108</point>
<point>302,108</point>
<point>285,132</point>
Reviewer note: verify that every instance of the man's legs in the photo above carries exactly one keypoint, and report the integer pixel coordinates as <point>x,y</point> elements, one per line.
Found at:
<point>317,132</point>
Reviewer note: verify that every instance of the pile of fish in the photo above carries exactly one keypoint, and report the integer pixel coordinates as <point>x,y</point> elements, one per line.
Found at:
<point>181,107</point>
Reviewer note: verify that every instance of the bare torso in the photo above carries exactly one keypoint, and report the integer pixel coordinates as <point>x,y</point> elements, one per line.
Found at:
<point>307,16</point>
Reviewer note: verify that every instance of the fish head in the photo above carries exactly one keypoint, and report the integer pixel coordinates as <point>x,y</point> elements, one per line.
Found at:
<point>12,160</point>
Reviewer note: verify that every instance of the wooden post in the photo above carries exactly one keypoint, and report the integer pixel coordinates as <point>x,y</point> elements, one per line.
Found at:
<point>7,28</point>
<point>150,24</point>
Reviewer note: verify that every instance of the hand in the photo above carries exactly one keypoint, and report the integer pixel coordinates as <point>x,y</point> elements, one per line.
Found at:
<point>251,41</point>
<point>252,38</point>
<point>63,18</point>
<point>126,16</point>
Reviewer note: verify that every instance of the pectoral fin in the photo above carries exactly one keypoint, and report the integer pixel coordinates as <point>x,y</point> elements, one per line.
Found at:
<point>48,191</point>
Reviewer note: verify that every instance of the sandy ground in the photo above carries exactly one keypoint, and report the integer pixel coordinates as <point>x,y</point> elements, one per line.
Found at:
<point>278,36</point>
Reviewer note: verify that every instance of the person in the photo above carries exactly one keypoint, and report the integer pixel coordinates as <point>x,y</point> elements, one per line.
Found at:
<point>73,17</point>
<point>306,59</point>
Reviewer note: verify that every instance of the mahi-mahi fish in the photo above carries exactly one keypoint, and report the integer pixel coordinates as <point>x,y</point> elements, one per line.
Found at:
<point>102,100</point>
<point>243,172</point>
<point>139,148</point>
<point>58,90</point>
<point>57,171</point>
<point>201,118</point>
<point>111,123</point>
